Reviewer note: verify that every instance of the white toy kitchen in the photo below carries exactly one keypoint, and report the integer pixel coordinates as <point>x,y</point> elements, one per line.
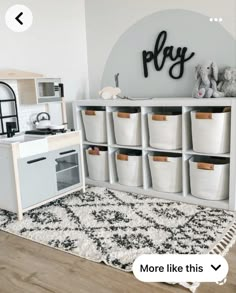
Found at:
<point>40,158</point>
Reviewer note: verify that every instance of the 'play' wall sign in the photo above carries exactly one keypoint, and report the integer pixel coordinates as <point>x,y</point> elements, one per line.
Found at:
<point>161,53</point>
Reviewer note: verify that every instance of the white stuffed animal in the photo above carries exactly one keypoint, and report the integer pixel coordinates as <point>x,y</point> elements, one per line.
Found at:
<point>227,85</point>
<point>110,93</point>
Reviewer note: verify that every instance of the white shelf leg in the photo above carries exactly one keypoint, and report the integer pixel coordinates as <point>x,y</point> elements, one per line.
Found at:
<point>20,216</point>
<point>82,161</point>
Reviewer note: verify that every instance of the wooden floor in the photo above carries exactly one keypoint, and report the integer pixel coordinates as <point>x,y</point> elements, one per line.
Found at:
<point>27,267</point>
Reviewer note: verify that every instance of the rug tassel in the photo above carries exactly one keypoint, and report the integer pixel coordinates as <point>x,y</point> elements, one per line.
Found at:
<point>226,242</point>
<point>221,245</point>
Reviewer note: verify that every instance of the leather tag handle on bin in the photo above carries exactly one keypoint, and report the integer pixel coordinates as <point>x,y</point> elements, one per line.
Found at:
<point>123,115</point>
<point>201,115</point>
<point>227,109</point>
<point>160,159</point>
<point>94,152</point>
<point>205,166</point>
<point>158,117</point>
<point>90,113</point>
<point>121,157</point>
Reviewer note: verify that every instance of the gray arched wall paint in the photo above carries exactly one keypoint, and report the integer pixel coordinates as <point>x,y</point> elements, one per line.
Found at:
<point>185,28</point>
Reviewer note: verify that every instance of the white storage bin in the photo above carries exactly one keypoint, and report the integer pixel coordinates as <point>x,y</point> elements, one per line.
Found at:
<point>129,168</point>
<point>97,161</point>
<point>166,172</point>
<point>127,128</point>
<point>209,178</point>
<point>211,132</point>
<point>95,125</point>
<point>165,131</point>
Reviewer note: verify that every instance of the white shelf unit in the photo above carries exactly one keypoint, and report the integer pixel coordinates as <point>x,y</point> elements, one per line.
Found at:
<point>186,105</point>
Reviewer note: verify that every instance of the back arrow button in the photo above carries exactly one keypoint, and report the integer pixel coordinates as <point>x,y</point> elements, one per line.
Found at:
<point>18,18</point>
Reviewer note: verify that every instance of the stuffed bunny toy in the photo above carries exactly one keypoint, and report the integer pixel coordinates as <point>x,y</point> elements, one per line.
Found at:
<point>206,76</point>
<point>109,93</point>
<point>227,85</point>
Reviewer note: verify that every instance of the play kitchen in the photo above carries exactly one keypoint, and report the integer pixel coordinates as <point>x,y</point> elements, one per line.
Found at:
<point>41,164</point>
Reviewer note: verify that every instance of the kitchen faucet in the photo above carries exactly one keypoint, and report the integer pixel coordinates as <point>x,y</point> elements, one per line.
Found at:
<point>11,128</point>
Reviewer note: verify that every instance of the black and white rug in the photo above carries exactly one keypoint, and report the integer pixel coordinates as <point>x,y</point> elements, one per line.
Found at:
<point>116,227</point>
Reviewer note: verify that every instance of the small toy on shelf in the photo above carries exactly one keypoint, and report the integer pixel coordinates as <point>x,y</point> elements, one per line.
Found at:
<point>109,93</point>
<point>206,76</point>
<point>227,85</point>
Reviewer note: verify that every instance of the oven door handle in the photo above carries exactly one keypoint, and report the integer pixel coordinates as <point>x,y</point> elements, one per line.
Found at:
<point>36,160</point>
<point>67,152</point>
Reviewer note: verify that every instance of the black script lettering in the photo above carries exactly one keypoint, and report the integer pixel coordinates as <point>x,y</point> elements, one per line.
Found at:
<point>147,57</point>
<point>180,63</point>
<point>162,53</point>
<point>160,43</point>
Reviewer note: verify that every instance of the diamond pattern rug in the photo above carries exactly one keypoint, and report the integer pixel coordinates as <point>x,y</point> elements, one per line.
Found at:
<point>116,227</point>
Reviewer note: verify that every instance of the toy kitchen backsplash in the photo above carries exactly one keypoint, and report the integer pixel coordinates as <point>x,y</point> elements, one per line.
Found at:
<point>27,113</point>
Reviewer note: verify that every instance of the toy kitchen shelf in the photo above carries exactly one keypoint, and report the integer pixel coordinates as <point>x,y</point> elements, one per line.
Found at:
<point>39,90</point>
<point>147,106</point>
<point>34,88</point>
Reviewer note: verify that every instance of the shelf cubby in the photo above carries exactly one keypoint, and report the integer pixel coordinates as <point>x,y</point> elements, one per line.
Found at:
<point>112,162</point>
<point>145,129</point>
<point>66,163</point>
<point>183,105</point>
<point>85,148</point>
<point>148,168</point>
<point>67,178</point>
<point>111,127</point>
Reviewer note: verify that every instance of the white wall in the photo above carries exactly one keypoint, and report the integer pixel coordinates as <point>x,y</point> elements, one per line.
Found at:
<point>119,15</point>
<point>55,45</point>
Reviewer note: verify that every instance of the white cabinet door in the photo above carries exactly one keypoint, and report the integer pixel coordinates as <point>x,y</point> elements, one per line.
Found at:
<point>37,179</point>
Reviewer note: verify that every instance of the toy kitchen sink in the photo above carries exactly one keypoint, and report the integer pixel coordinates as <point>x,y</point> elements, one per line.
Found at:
<point>35,170</point>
